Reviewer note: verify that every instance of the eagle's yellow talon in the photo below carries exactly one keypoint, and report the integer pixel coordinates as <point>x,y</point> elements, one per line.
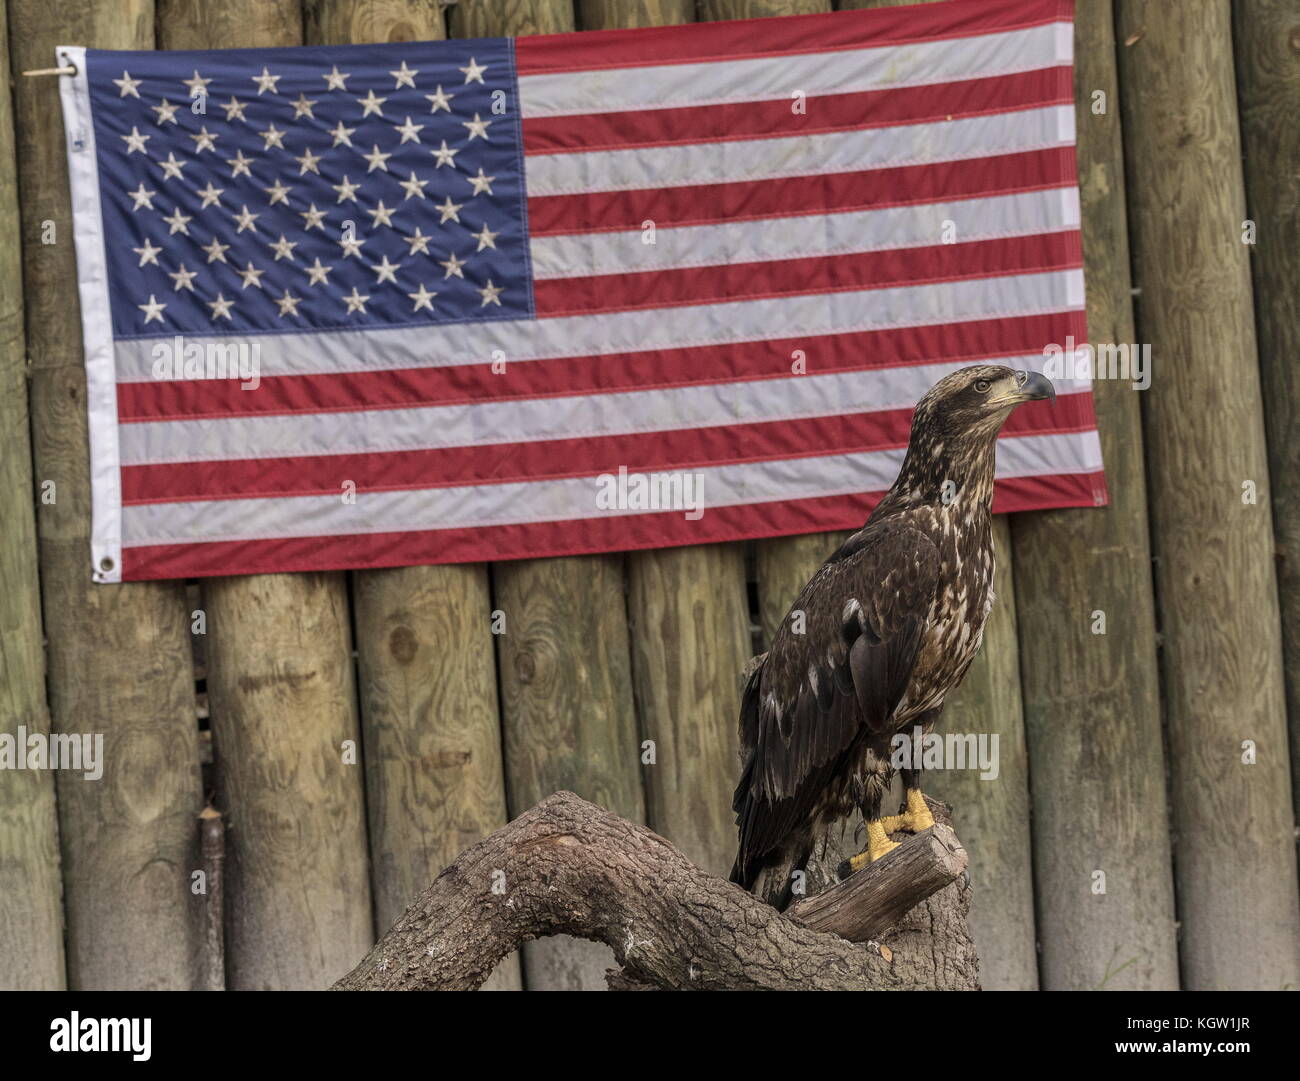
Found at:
<point>916,818</point>
<point>878,844</point>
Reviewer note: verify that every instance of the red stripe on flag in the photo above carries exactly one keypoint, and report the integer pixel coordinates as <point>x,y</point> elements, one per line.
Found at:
<point>800,196</point>
<point>782,36</point>
<point>677,449</point>
<point>776,119</point>
<point>545,539</point>
<point>866,351</point>
<point>817,274</point>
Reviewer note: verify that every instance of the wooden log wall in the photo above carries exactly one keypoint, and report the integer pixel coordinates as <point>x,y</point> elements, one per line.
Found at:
<point>282,696</point>
<point>1103,877</point>
<point>31,922</point>
<point>471,692</point>
<point>1235,864</point>
<point>118,659</point>
<point>1267,38</point>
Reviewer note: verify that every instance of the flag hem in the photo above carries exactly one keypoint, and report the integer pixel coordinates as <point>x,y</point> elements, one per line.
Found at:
<point>96,325</point>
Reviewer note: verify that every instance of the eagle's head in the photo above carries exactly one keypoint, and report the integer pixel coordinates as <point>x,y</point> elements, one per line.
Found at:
<point>969,406</point>
<point>955,428</point>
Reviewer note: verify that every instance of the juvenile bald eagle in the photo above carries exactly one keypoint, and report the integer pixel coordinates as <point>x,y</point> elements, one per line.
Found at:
<point>890,624</point>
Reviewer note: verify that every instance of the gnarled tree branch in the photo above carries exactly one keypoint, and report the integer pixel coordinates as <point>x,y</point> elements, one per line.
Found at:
<point>569,867</point>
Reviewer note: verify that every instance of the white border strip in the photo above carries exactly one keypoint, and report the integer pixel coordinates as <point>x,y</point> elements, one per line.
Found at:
<point>96,320</point>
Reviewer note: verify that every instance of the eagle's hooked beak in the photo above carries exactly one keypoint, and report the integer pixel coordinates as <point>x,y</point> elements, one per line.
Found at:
<point>1028,387</point>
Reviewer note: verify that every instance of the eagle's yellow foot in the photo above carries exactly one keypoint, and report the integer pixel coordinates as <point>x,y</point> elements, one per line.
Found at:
<point>916,818</point>
<point>878,844</point>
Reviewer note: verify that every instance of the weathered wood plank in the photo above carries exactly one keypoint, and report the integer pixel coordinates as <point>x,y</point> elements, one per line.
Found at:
<point>757,9</point>
<point>783,566</point>
<point>435,781</point>
<point>1267,37</point>
<point>340,22</point>
<point>282,700</point>
<point>1204,424</point>
<point>31,908</point>
<point>564,665</point>
<point>567,713</point>
<point>518,18</point>
<point>615,14</point>
<point>118,656</point>
<point>297,886</point>
<point>689,622</point>
<point>690,638</point>
<point>432,732</point>
<point>1092,701</point>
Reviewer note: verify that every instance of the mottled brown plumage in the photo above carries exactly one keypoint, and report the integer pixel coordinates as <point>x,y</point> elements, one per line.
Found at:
<point>878,638</point>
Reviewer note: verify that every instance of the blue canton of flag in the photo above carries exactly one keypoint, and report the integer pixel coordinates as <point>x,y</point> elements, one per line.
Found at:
<point>279,190</point>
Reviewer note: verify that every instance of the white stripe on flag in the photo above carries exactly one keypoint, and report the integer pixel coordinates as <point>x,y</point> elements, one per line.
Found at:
<point>583,416</point>
<point>769,78</point>
<point>563,499</point>
<point>800,236</point>
<point>657,167</point>
<point>808,315</point>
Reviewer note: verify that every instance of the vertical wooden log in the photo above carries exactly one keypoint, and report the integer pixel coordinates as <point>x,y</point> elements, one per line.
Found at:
<point>783,567</point>
<point>1267,36</point>
<point>565,674</point>
<point>432,732</point>
<point>758,9</point>
<point>568,716</point>
<point>689,618</point>
<point>340,22</point>
<point>1092,700</point>
<point>297,887</point>
<point>118,656</point>
<point>517,18</point>
<point>282,699</point>
<point>613,14</point>
<point>31,913</point>
<point>994,811</point>
<point>1204,423</point>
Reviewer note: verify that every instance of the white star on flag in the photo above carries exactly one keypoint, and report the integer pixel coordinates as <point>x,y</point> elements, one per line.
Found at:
<point>147,254</point>
<point>153,310</point>
<point>142,197</point>
<point>423,298</point>
<point>221,307</point>
<point>404,76</point>
<point>266,81</point>
<point>166,112</point>
<point>216,251</point>
<point>135,141</point>
<point>198,85</point>
<point>384,271</point>
<point>439,100</point>
<point>183,278</point>
<point>371,104</point>
<point>474,73</point>
<point>318,274</point>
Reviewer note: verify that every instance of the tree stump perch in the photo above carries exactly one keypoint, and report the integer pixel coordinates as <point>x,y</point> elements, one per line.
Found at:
<point>569,867</point>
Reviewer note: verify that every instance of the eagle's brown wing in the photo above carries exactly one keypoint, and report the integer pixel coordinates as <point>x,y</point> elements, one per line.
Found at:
<point>818,693</point>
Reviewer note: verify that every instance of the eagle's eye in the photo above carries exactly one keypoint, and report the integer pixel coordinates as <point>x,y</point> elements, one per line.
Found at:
<point>982,385</point>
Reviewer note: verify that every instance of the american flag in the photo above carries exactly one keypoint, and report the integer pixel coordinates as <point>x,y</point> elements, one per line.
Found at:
<point>380,305</point>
